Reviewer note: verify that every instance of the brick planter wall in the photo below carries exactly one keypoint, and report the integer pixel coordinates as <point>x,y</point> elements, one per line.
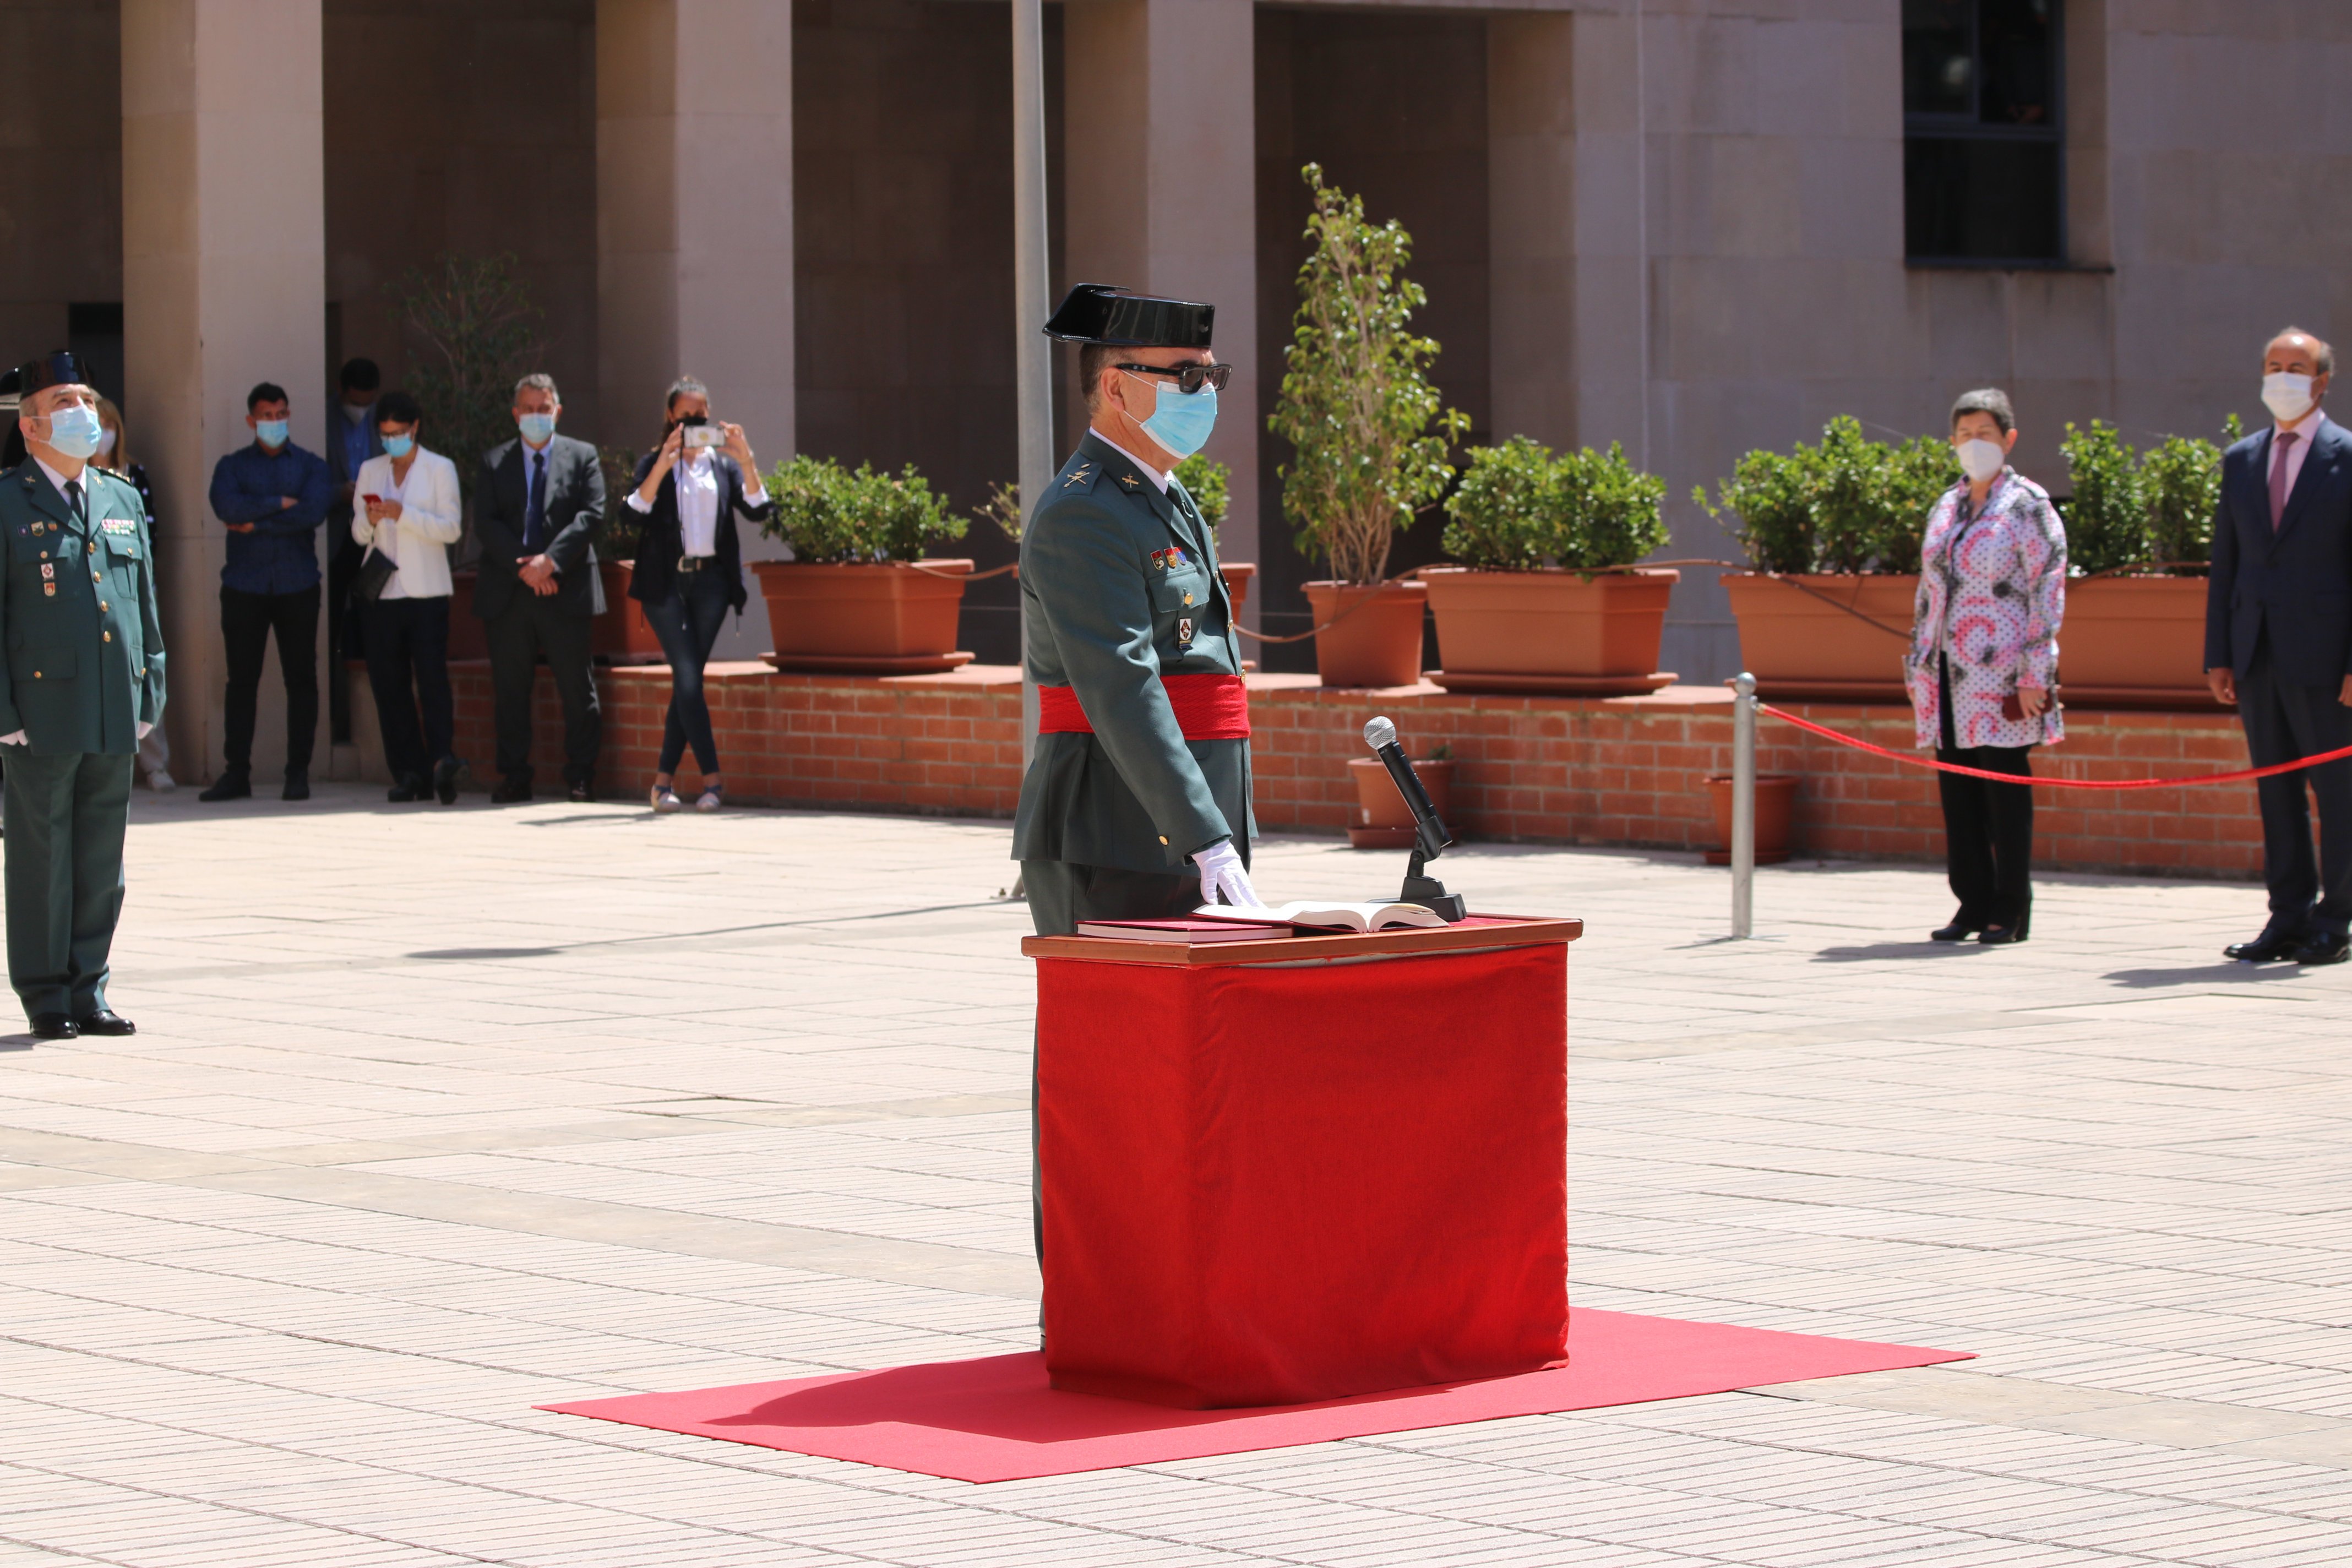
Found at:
<point>1625,772</point>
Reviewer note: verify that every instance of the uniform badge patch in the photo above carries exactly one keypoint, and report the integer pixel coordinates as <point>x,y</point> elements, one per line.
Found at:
<point>48,570</point>
<point>118,525</point>
<point>1079,478</point>
<point>1184,630</point>
<point>50,589</point>
<point>1130,480</point>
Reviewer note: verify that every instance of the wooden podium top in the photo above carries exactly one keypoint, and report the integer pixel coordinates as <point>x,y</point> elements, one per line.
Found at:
<point>1476,932</point>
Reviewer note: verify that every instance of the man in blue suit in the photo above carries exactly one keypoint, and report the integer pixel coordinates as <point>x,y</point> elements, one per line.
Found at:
<point>2278,644</point>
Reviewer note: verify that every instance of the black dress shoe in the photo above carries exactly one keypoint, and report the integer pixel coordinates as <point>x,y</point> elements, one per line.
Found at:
<point>52,1027</point>
<point>298,786</point>
<point>410,787</point>
<point>231,785</point>
<point>583,794</point>
<point>2325,948</point>
<point>509,790</point>
<point>1964,926</point>
<point>444,780</point>
<point>2002,936</point>
<point>104,1022</point>
<point>2271,947</point>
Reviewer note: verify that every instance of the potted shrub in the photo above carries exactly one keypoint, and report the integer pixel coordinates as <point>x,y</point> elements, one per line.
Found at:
<point>622,634</point>
<point>1832,532</point>
<point>1210,483</point>
<point>1369,437</point>
<point>2139,532</point>
<point>1775,801</point>
<point>1533,604</point>
<point>1382,820</point>
<point>859,596</point>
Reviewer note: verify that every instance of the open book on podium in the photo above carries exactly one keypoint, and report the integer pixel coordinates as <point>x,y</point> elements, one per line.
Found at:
<point>1303,1165</point>
<point>1282,935</point>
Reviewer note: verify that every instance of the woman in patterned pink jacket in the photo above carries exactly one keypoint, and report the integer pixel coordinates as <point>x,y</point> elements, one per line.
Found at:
<point>1983,662</point>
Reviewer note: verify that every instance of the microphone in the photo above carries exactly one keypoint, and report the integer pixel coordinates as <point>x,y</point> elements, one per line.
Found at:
<point>1430,838</point>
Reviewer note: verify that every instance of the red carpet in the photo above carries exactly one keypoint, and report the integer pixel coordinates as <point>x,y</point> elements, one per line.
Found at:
<point>995,1420</point>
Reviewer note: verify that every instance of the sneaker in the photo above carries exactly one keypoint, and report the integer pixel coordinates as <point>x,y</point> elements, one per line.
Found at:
<point>711,800</point>
<point>664,800</point>
<point>231,785</point>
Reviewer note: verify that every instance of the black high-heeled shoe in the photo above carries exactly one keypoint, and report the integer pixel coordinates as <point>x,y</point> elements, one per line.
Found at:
<point>1962,928</point>
<point>2007,935</point>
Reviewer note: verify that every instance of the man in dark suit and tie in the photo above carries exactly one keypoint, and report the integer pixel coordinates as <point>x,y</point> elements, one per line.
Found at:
<point>2278,643</point>
<point>537,504</point>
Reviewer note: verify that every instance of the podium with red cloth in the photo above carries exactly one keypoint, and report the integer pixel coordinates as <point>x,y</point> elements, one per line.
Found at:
<point>1285,1171</point>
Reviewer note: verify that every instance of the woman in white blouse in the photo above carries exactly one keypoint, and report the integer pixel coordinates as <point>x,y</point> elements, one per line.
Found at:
<point>410,512</point>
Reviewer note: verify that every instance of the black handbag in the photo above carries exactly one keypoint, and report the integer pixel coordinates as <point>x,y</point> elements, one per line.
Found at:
<point>374,573</point>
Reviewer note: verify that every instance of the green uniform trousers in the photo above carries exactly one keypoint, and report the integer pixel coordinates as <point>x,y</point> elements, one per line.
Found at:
<point>1061,894</point>
<point>65,816</point>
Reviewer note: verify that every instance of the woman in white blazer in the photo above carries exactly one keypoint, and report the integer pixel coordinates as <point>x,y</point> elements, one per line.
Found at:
<point>409,514</point>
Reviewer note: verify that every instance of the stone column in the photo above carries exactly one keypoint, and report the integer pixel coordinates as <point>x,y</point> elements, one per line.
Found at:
<point>1160,159</point>
<point>224,286</point>
<point>694,227</point>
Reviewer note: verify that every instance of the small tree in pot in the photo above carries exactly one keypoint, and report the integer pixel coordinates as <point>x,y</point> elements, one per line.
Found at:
<point>1368,434</point>
<point>856,598</point>
<point>1538,603</point>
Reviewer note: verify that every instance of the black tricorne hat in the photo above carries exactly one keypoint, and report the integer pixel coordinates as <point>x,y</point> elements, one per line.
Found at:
<point>60,367</point>
<point>1105,313</point>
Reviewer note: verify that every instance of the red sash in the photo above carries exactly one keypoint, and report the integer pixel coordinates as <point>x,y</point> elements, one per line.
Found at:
<point>1208,707</point>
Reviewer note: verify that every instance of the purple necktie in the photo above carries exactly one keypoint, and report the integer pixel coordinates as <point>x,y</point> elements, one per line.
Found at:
<point>2278,478</point>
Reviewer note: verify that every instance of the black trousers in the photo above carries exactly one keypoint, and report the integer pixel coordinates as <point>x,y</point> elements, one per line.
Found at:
<point>344,614</point>
<point>2284,720</point>
<point>1061,894</point>
<point>408,647</point>
<point>247,622</point>
<point>529,626</point>
<point>1988,834</point>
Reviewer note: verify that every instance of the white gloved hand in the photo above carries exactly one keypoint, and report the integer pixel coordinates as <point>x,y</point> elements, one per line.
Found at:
<point>145,728</point>
<point>1223,875</point>
<point>18,738</point>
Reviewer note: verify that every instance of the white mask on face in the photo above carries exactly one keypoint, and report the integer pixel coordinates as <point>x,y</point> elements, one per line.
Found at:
<point>1981,460</point>
<point>2287,396</point>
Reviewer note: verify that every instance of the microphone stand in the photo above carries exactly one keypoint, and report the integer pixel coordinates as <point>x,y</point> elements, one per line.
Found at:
<point>1430,838</point>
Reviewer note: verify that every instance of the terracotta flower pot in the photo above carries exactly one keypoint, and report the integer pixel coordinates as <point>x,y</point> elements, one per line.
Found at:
<point>469,636</point>
<point>1824,644</point>
<point>2135,642</point>
<point>1382,820</point>
<point>1375,644</point>
<point>871,618</point>
<point>622,635</point>
<point>1549,631</point>
<point>1237,576</point>
<point>1776,798</point>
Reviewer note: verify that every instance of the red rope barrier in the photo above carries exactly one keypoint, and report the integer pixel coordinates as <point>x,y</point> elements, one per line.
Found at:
<point>1908,760</point>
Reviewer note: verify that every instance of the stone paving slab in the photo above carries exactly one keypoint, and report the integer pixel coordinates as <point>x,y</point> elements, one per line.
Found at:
<point>437,1115</point>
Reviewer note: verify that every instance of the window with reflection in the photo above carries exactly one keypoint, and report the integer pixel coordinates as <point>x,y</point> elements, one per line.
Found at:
<point>1981,136</point>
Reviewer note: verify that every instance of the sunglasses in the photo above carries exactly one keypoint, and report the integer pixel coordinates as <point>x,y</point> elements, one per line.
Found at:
<point>1189,378</point>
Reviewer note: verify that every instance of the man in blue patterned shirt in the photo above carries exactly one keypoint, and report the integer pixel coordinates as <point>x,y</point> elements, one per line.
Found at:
<point>272,495</point>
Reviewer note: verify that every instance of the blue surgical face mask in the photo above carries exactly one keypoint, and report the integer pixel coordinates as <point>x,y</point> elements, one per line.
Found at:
<point>272,432</point>
<point>74,431</point>
<point>399,446</point>
<point>1180,423</point>
<point>537,428</point>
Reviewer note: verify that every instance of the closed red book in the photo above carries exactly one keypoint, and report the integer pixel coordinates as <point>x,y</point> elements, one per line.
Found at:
<point>1182,930</point>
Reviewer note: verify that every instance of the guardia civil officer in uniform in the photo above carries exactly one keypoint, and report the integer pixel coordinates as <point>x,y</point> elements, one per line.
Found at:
<point>82,682</point>
<point>1137,804</point>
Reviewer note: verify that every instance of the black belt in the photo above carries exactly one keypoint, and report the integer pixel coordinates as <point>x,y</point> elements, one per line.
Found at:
<point>696,562</point>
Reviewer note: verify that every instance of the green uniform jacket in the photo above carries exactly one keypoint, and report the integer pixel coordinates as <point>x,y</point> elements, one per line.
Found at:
<point>1105,608</point>
<point>77,615</point>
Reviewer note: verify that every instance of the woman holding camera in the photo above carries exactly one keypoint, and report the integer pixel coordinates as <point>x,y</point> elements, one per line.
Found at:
<point>690,567</point>
<point>409,514</point>
<point>1984,663</point>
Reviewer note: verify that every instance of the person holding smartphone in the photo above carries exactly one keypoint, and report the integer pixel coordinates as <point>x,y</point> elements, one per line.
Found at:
<point>409,514</point>
<point>690,569</point>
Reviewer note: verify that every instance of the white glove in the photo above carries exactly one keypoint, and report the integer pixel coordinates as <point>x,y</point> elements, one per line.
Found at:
<point>145,728</point>
<point>18,738</point>
<point>1222,874</point>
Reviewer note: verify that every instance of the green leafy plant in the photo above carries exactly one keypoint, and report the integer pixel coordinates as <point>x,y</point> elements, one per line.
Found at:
<point>1368,430</point>
<point>475,328</point>
<point>1209,482</point>
<point>1519,507</point>
<point>2181,477</point>
<point>1850,504</point>
<point>1001,510</point>
<point>2107,518</point>
<point>829,514</point>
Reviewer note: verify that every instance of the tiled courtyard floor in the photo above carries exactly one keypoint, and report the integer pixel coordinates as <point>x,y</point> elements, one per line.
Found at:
<point>437,1115</point>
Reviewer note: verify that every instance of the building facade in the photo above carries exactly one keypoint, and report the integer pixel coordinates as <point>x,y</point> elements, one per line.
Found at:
<point>1694,227</point>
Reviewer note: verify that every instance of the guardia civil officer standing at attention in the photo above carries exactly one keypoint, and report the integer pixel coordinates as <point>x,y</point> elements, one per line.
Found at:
<point>83,681</point>
<point>1137,804</point>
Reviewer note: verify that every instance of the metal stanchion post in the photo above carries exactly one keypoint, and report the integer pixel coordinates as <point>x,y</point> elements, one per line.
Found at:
<point>1743,805</point>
